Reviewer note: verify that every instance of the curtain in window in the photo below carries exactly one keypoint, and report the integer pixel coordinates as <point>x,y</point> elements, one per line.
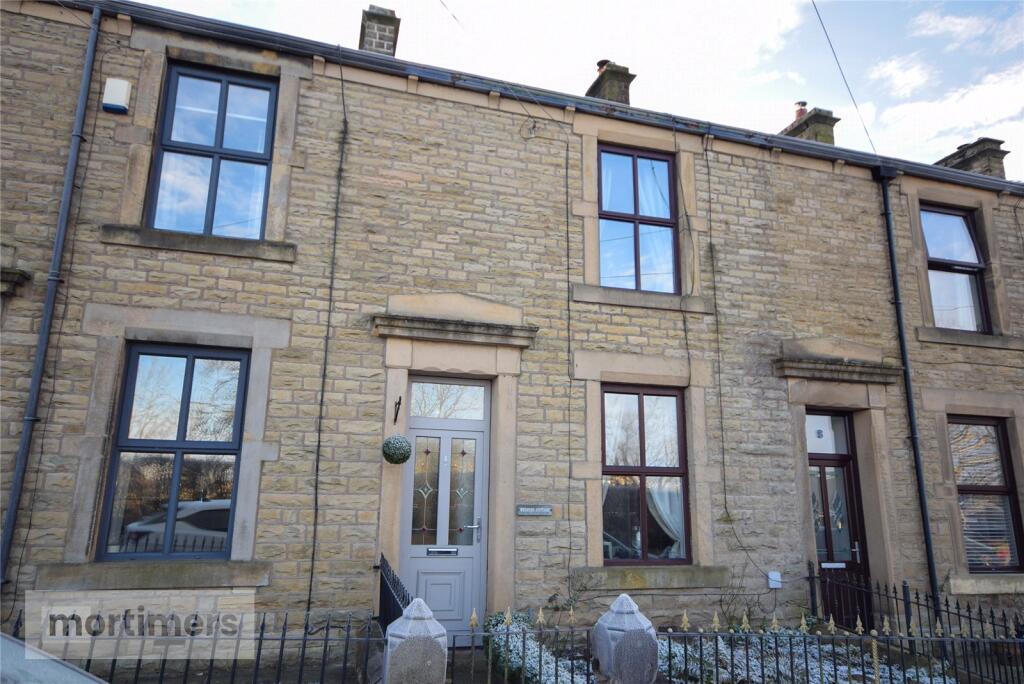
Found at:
<point>665,503</point>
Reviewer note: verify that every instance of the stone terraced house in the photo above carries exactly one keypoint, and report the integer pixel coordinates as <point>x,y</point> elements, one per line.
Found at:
<point>629,350</point>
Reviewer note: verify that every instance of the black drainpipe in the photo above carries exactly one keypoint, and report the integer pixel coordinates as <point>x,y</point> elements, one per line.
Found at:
<point>49,304</point>
<point>884,174</point>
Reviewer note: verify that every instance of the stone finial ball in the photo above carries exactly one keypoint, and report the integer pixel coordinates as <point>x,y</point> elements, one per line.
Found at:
<point>397,449</point>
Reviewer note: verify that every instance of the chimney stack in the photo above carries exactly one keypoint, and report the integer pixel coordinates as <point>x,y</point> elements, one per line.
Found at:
<point>379,32</point>
<point>814,124</point>
<point>984,155</point>
<point>612,82</point>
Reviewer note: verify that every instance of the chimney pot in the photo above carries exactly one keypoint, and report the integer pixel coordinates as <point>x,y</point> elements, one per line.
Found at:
<point>612,82</point>
<point>984,155</point>
<point>814,124</point>
<point>379,31</point>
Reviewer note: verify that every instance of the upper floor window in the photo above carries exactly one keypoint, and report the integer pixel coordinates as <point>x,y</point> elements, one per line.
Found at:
<point>171,491</point>
<point>955,270</point>
<point>212,164</point>
<point>644,476</point>
<point>989,509</point>
<point>638,221</point>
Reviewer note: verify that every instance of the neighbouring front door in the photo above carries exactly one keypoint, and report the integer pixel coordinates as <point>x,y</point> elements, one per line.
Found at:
<point>838,520</point>
<point>444,506</point>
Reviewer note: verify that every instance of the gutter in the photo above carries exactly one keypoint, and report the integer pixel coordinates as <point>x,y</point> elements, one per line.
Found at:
<point>271,40</point>
<point>884,174</point>
<point>49,303</point>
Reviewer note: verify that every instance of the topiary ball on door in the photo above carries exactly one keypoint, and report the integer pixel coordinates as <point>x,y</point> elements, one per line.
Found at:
<point>397,449</point>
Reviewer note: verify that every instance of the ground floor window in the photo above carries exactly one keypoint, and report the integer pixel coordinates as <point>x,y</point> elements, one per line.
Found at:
<point>989,510</point>
<point>644,476</point>
<point>171,488</point>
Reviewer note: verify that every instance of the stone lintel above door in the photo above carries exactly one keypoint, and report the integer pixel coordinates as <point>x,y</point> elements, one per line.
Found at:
<point>453,317</point>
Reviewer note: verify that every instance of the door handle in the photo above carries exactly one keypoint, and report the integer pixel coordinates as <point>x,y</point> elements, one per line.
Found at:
<point>856,552</point>
<point>475,527</point>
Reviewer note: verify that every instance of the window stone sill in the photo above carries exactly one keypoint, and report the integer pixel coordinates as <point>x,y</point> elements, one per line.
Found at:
<point>135,236</point>
<point>1009,583</point>
<point>592,294</point>
<point>639,577</point>
<point>969,339</point>
<point>169,574</point>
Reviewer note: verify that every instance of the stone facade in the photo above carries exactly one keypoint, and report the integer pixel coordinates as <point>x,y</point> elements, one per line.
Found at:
<point>448,191</point>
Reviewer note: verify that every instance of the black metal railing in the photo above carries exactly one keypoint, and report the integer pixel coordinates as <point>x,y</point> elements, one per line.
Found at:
<point>394,597</point>
<point>305,648</point>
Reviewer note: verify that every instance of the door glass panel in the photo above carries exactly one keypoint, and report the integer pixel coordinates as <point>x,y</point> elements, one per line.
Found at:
<point>447,400</point>
<point>621,429</point>
<point>617,183</point>
<point>955,300</point>
<point>618,260</point>
<point>657,259</point>
<point>159,383</point>
<point>139,508</point>
<point>661,431</point>
<point>666,536</point>
<point>462,494</point>
<point>976,457</point>
<point>211,410</point>
<point>621,517</point>
<point>424,490</point>
<point>204,503</point>
<point>818,514</point>
<point>988,531</point>
<point>826,435</point>
<point>838,514</point>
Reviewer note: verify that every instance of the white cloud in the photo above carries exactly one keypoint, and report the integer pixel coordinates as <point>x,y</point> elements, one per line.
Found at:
<point>927,130</point>
<point>979,34</point>
<point>903,75</point>
<point>764,77</point>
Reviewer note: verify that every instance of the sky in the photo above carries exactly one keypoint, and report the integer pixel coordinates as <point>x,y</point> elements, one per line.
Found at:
<point>928,76</point>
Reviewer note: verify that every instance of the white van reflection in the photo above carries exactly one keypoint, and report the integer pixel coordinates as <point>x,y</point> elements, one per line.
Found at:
<point>200,527</point>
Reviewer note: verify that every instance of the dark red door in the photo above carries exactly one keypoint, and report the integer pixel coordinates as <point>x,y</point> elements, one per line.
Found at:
<point>838,519</point>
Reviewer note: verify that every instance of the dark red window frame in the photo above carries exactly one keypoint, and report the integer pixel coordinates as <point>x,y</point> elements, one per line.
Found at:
<point>642,471</point>
<point>975,270</point>
<point>1007,489</point>
<point>636,218</point>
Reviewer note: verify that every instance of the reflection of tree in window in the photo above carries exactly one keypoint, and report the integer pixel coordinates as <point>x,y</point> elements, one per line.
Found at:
<point>443,400</point>
<point>158,386</point>
<point>211,413</point>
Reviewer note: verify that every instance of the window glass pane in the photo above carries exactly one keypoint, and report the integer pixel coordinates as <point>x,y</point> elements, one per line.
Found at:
<point>826,434</point>
<point>139,509</point>
<point>657,259</point>
<point>621,429</point>
<point>239,211</point>
<point>184,187</point>
<point>462,493</point>
<point>838,513</point>
<point>159,383</point>
<point>245,123</point>
<point>195,111</point>
<point>988,531</point>
<point>211,411</point>
<point>447,400</point>
<point>818,513</point>
<point>652,180</point>
<point>955,301</point>
<point>204,503</point>
<point>424,490</point>
<point>616,183</point>
<point>618,262</point>
<point>948,237</point>
<point>666,535</point>
<point>976,458</point>
<point>621,516</point>
<point>661,431</point>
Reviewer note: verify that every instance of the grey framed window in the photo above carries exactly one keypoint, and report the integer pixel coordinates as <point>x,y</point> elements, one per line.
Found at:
<point>639,247</point>
<point>956,271</point>
<point>989,509</point>
<point>644,491</point>
<point>211,168</point>
<point>171,486</point>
